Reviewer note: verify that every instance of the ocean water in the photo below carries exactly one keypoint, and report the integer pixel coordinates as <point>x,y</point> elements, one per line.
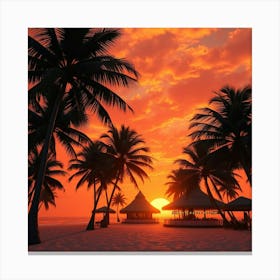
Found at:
<point>44,221</point>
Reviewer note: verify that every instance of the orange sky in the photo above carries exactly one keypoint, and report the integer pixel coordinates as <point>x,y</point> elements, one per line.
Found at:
<point>180,69</point>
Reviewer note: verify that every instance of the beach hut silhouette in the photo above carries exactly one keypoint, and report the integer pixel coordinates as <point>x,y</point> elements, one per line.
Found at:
<point>194,200</point>
<point>241,204</point>
<point>139,210</point>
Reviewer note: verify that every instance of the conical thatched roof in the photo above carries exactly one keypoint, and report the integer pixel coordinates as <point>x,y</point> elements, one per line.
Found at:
<point>240,204</point>
<point>139,204</point>
<point>196,199</point>
<point>104,210</point>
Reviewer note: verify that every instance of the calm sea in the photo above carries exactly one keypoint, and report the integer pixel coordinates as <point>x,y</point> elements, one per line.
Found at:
<point>72,220</point>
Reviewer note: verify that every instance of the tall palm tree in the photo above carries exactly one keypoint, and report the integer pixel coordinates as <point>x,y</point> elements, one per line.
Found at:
<point>204,168</point>
<point>50,183</point>
<point>127,147</point>
<point>72,64</point>
<point>228,124</point>
<point>94,166</point>
<point>118,200</point>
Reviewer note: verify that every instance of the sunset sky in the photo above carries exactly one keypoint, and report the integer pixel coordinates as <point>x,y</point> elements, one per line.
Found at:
<point>179,70</point>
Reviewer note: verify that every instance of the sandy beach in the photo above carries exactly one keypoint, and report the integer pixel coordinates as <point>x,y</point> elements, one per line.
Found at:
<point>137,238</point>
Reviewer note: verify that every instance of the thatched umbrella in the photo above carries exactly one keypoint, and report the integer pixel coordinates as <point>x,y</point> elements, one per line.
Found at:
<point>139,208</point>
<point>240,204</point>
<point>104,210</point>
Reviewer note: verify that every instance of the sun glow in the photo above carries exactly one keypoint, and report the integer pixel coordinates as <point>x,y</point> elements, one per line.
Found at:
<point>159,203</point>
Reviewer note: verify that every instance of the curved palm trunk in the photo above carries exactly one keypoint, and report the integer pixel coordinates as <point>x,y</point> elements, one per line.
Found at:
<point>214,202</point>
<point>33,232</point>
<point>118,218</point>
<point>108,206</point>
<point>107,215</point>
<point>242,156</point>
<point>246,168</point>
<point>30,196</point>
<point>91,222</point>
<point>106,194</point>
<point>233,218</point>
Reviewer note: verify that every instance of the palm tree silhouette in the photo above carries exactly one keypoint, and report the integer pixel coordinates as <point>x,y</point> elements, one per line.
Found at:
<point>204,168</point>
<point>72,64</point>
<point>179,183</point>
<point>68,136</point>
<point>47,198</point>
<point>126,145</point>
<point>118,200</point>
<point>228,126</point>
<point>94,166</point>
<point>50,183</point>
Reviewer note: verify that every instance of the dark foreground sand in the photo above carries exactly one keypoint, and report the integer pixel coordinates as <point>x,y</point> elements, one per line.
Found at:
<point>128,238</point>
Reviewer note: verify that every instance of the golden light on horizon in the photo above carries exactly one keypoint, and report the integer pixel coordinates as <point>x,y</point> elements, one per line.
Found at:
<point>159,203</point>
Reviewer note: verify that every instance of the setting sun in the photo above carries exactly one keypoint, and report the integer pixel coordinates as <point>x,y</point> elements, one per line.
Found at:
<point>159,203</point>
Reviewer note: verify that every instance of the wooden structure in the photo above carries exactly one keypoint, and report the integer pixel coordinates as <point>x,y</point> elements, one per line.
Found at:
<point>139,210</point>
<point>240,204</point>
<point>194,200</point>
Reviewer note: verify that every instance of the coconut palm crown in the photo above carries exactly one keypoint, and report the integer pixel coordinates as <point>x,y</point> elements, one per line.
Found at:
<point>127,146</point>
<point>130,152</point>
<point>50,184</point>
<point>228,124</point>
<point>180,183</point>
<point>64,132</point>
<point>118,200</point>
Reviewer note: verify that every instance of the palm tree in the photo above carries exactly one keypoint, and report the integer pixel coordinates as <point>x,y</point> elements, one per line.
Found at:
<point>118,200</point>
<point>73,65</point>
<point>228,124</point>
<point>205,168</point>
<point>68,136</point>
<point>126,145</point>
<point>50,183</point>
<point>179,183</point>
<point>94,166</point>
<point>46,198</point>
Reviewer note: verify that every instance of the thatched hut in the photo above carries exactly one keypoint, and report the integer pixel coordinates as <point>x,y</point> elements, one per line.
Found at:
<point>195,200</point>
<point>139,210</point>
<point>240,204</point>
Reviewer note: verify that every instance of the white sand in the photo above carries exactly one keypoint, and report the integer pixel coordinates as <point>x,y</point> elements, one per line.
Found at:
<point>155,237</point>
